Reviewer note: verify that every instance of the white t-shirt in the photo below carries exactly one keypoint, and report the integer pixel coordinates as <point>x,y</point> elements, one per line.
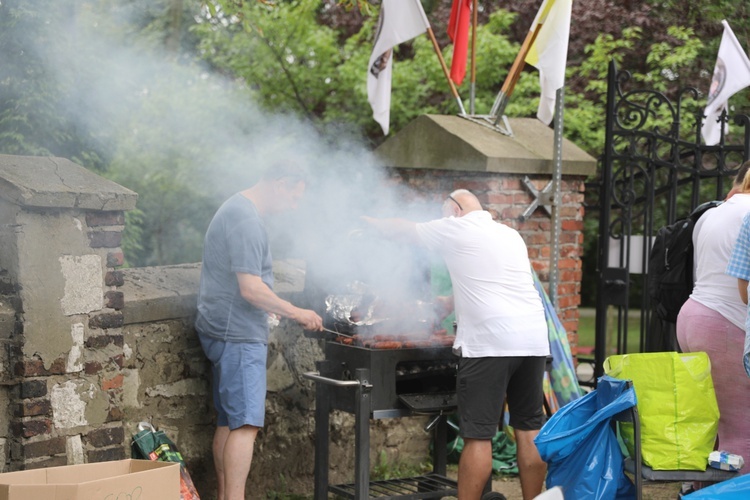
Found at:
<point>498,310</point>
<point>713,238</point>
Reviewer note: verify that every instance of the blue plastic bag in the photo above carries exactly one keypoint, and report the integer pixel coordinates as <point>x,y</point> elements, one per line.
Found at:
<point>737,488</point>
<point>580,446</point>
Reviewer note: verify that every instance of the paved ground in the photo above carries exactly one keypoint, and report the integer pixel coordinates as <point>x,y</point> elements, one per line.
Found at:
<point>510,486</point>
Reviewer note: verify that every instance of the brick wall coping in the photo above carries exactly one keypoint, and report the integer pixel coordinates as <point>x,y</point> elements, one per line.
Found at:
<point>49,182</point>
<point>169,292</point>
<point>454,143</point>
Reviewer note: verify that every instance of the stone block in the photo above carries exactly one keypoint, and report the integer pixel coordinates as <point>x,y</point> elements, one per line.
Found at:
<point>104,437</point>
<point>83,278</point>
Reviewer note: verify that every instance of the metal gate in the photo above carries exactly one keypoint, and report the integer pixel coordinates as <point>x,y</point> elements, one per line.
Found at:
<point>654,170</point>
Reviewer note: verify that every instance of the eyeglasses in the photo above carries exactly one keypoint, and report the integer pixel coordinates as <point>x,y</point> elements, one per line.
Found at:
<point>457,203</point>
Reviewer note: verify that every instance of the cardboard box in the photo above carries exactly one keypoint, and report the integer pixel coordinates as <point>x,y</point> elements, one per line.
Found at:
<point>120,480</point>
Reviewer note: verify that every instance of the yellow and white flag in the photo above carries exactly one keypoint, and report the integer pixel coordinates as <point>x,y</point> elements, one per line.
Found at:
<point>400,21</point>
<point>549,52</point>
<point>731,74</point>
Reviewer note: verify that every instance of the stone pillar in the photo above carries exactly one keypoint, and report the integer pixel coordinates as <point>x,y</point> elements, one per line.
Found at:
<point>60,234</point>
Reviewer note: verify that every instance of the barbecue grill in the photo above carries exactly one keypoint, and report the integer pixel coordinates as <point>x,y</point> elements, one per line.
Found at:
<point>384,383</point>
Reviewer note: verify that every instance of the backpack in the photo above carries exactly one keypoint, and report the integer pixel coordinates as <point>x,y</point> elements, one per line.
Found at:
<point>670,264</point>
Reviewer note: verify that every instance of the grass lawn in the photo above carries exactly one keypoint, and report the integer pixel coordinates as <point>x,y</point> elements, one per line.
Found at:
<point>587,328</point>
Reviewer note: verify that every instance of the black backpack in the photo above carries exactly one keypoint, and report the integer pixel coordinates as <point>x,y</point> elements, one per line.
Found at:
<point>670,264</point>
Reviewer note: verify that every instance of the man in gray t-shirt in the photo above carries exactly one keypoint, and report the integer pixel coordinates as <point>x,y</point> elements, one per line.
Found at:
<point>235,301</point>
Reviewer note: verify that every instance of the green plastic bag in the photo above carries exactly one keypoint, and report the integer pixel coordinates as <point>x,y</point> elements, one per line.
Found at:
<point>676,404</point>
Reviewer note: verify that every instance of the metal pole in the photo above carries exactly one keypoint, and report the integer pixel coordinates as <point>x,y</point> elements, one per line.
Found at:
<point>554,274</point>
<point>445,70</point>
<point>472,90</point>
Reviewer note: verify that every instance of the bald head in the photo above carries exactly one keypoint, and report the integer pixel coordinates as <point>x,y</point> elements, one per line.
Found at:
<point>460,202</point>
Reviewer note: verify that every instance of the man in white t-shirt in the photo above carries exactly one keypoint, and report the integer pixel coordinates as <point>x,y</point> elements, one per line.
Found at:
<point>501,336</point>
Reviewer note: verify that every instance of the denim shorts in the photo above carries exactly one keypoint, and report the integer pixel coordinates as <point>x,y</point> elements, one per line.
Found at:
<point>482,386</point>
<point>239,385</point>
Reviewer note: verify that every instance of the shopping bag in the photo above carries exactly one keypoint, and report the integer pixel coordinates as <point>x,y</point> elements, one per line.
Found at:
<point>737,488</point>
<point>581,449</point>
<point>150,444</point>
<point>677,407</point>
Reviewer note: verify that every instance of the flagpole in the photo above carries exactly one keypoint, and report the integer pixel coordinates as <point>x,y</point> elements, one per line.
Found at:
<point>447,74</point>
<point>498,108</point>
<point>472,88</point>
<point>554,274</point>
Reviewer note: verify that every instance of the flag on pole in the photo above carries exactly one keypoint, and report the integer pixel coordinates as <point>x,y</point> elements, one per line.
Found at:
<point>400,21</point>
<point>549,52</point>
<point>458,32</point>
<point>731,74</point>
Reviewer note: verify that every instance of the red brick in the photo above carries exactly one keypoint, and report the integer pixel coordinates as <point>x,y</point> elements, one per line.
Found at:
<point>115,259</point>
<point>94,219</point>
<point>31,428</point>
<point>113,383</point>
<point>106,455</point>
<point>107,436</point>
<point>114,278</point>
<point>114,300</point>
<point>45,448</point>
<point>92,367</point>
<point>30,368</point>
<point>33,408</point>
<point>107,320</point>
<point>58,461</point>
<point>105,239</point>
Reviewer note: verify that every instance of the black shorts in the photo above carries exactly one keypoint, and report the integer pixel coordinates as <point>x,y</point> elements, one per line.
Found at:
<point>482,385</point>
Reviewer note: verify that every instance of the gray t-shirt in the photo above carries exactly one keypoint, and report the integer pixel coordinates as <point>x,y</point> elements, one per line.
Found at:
<point>236,242</point>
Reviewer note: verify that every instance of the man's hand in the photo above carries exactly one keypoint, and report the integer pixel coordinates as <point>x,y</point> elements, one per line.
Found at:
<point>443,306</point>
<point>308,319</point>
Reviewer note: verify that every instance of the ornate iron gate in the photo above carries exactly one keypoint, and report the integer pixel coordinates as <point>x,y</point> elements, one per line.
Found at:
<point>654,170</point>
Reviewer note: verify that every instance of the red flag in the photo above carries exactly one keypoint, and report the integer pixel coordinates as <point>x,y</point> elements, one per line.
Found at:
<point>458,31</point>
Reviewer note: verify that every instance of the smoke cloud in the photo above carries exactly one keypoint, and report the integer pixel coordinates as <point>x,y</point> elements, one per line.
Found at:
<point>157,116</point>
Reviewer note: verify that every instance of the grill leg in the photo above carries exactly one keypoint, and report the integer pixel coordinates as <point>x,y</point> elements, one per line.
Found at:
<point>322,417</point>
<point>362,436</point>
<point>440,451</point>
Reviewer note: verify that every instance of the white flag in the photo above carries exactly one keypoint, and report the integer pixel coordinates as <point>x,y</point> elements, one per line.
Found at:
<point>731,74</point>
<point>400,21</point>
<point>549,52</point>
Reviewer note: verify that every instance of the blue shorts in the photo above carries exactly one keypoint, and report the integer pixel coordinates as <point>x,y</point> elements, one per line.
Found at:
<point>239,386</point>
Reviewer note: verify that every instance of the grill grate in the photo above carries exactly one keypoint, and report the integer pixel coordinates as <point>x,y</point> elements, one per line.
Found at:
<point>426,486</point>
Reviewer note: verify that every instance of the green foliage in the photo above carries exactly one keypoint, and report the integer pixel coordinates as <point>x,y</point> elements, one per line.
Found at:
<point>385,469</point>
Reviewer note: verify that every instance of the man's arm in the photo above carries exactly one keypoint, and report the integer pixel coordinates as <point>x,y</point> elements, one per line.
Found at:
<point>261,296</point>
<point>742,287</point>
<point>396,229</point>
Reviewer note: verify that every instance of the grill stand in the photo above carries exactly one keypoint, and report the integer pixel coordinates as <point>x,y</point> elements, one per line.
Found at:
<point>434,485</point>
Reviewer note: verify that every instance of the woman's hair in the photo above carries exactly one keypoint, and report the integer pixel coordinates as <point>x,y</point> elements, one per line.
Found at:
<point>743,175</point>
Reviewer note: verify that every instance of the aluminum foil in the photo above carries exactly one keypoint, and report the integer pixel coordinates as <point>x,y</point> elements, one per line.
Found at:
<point>359,298</point>
<point>340,308</point>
